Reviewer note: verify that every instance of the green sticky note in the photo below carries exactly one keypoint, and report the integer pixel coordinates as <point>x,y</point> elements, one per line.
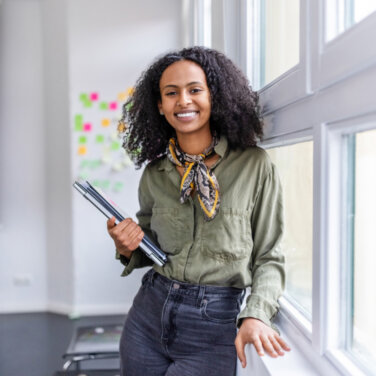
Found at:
<point>78,119</point>
<point>83,176</point>
<point>95,163</point>
<point>103,105</point>
<point>84,164</point>
<point>115,145</point>
<point>128,106</point>
<point>84,97</point>
<point>99,138</point>
<point>118,186</point>
<point>78,127</point>
<point>106,184</point>
<point>78,122</point>
<point>96,183</point>
<point>82,140</point>
<point>87,104</point>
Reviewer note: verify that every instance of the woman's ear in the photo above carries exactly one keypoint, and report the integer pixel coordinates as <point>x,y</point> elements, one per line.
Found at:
<point>160,108</point>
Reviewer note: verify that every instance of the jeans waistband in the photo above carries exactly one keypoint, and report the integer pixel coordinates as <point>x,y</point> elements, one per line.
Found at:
<point>193,289</point>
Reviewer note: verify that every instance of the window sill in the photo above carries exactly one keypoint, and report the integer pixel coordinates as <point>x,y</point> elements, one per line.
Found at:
<point>301,360</point>
<point>292,363</point>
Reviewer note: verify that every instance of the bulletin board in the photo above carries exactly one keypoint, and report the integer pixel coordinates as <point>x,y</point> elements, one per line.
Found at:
<point>97,144</point>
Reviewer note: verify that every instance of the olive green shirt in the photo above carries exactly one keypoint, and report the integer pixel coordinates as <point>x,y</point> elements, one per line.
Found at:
<point>240,247</point>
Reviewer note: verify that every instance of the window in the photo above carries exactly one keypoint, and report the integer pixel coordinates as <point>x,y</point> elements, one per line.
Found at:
<point>362,213</point>
<point>314,90</point>
<point>278,34</point>
<point>295,167</point>
<point>341,15</point>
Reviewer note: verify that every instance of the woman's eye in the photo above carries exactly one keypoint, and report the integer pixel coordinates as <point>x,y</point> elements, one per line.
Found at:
<point>171,93</point>
<point>196,90</point>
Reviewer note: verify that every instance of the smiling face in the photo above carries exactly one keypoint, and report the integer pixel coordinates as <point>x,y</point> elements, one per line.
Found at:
<point>185,98</point>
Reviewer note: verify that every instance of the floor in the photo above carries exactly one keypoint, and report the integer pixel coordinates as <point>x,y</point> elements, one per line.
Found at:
<point>32,344</point>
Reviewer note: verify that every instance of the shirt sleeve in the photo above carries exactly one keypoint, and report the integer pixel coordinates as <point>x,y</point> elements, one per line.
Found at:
<point>267,262</point>
<point>138,258</point>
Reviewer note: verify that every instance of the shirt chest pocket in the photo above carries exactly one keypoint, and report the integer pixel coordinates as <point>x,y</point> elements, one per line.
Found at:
<point>167,226</point>
<point>228,236</point>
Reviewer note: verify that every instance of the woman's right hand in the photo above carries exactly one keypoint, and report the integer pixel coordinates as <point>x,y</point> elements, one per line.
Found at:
<point>127,235</point>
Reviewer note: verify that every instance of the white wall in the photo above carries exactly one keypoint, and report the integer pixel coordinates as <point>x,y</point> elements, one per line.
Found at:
<point>52,243</point>
<point>60,261</point>
<point>108,49</point>
<point>22,175</point>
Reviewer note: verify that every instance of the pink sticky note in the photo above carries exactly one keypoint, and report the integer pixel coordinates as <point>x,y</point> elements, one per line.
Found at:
<point>112,105</point>
<point>94,96</point>
<point>87,127</point>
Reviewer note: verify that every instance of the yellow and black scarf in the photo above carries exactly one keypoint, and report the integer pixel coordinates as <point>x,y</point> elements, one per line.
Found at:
<point>197,175</point>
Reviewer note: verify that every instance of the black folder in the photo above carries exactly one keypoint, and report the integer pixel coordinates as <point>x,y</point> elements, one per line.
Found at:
<point>107,207</point>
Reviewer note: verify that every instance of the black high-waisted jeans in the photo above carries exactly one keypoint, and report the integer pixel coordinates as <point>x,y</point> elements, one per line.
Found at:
<point>180,329</point>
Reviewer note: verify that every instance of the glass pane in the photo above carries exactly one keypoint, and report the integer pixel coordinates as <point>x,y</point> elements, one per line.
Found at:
<point>279,38</point>
<point>364,279</point>
<point>341,15</point>
<point>363,8</point>
<point>295,167</point>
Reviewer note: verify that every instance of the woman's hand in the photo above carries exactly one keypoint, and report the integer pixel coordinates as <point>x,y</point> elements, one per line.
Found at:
<point>127,235</point>
<point>263,338</point>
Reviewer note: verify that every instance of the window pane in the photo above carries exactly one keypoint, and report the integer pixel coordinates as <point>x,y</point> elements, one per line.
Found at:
<point>364,279</point>
<point>279,38</point>
<point>295,167</point>
<point>363,8</point>
<point>341,15</point>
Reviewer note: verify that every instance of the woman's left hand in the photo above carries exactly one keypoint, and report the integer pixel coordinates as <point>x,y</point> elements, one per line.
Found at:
<point>261,336</point>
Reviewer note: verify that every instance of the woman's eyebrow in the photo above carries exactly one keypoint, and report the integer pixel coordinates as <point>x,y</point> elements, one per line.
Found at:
<point>188,84</point>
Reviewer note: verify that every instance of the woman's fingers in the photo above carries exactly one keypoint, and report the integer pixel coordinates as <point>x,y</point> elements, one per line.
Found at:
<point>264,339</point>
<point>268,347</point>
<point>258,346</point>
<point>110,223</point>
<point>283,344</point>
<point>135,237</point>
<point>239,345</point>
<point>276,347</point>
<point>126,234</point>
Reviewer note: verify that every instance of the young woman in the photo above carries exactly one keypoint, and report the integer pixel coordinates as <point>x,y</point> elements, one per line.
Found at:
<point>211,199</point>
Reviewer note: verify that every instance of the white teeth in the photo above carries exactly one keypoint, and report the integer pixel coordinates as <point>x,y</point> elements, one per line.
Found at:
<point>186,114</point>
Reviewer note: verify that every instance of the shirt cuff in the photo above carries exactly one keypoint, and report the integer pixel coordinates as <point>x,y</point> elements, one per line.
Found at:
<point>259,308</point>
<point>129,264</point>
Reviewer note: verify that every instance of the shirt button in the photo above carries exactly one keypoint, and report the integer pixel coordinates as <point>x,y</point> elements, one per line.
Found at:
<point>175,286</point>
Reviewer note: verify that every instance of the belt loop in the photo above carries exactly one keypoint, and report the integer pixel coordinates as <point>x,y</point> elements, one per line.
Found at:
<point>200,296</point>
<point>151,277</point>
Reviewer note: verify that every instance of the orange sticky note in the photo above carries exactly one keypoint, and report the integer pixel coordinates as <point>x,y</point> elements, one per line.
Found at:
<point>106,122</point>
<point>130,91</point>
<point>82,150</point>
<point>122,96</point>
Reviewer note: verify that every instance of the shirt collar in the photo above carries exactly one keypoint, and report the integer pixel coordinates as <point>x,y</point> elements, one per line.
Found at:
<point>220,149</point>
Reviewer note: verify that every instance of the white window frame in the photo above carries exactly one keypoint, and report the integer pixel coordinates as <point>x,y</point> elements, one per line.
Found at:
<point>197,20</point>
<point>333,335</point>
<point>288,87</point>
<point>324,100</point>
<point>361,55</point>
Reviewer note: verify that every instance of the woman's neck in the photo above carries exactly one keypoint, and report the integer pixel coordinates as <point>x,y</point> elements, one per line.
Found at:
<point>194,144</point>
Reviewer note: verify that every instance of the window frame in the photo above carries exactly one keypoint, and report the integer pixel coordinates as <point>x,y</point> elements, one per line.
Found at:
<point>286,82</point>
<point>325,102</point>
<point>333,338</point>
<point>325,68</point>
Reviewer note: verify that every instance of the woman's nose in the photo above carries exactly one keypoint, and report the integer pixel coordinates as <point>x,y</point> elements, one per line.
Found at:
<point>184,99</point>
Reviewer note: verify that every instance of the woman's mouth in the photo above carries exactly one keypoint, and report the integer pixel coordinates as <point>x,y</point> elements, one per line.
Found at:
<point>186,115</point>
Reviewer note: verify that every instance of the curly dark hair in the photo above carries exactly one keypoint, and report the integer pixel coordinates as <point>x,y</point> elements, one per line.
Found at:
<point>234,105</point>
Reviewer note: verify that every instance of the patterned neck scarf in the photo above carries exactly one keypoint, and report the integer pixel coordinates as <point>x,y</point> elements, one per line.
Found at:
<point>197,175</point>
